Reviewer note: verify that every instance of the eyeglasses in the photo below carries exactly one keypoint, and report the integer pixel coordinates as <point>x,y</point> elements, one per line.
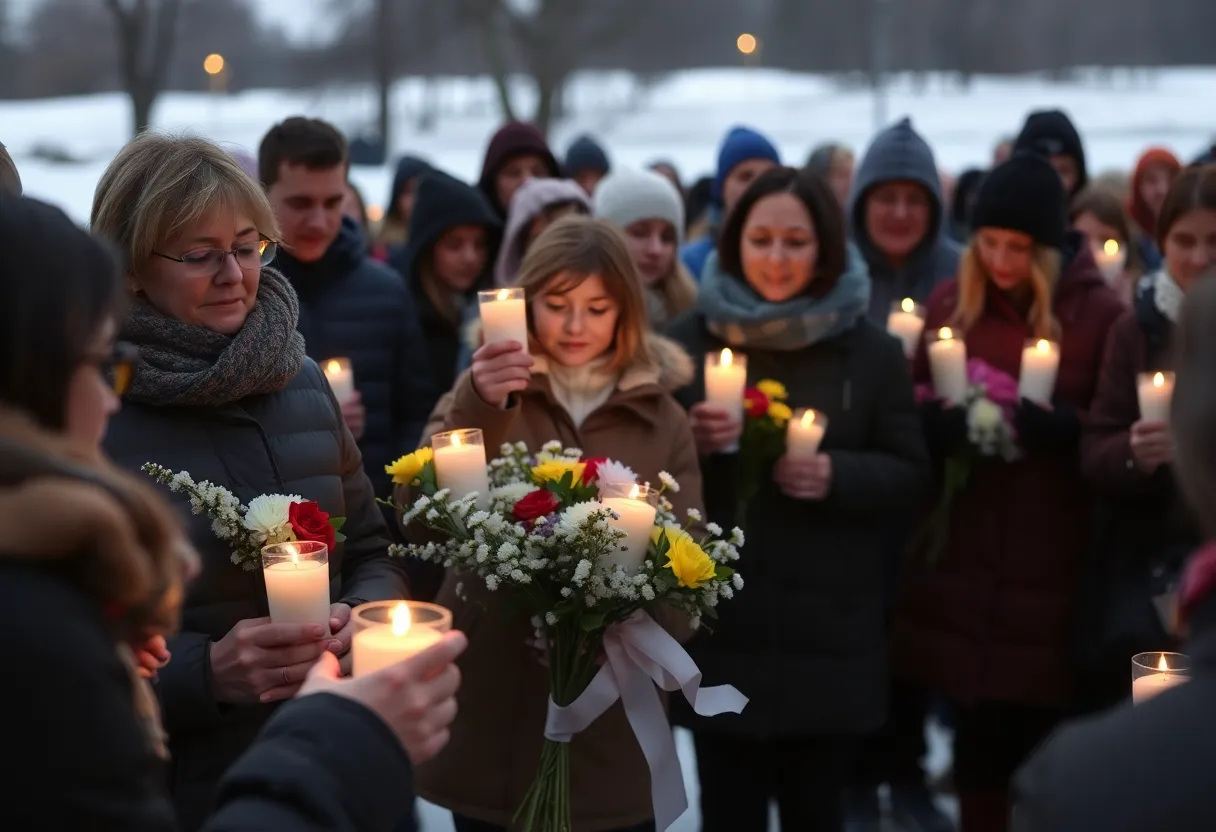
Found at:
<point>209,262</point>
<point>118,368</point>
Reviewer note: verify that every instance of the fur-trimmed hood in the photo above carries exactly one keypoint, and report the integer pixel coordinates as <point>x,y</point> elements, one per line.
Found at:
<point>667,366</point>
<point>63,502</point>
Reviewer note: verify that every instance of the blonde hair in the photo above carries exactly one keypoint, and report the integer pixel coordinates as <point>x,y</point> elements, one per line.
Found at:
<point>677,288</point>
<point>973,283</point>
<point>158,186</point>
<point>581,247</point>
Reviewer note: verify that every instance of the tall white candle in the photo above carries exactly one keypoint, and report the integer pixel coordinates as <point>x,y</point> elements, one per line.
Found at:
<point>381,645</point>
<point>297,583</point>
<point>1040,363</point>
<point>504,316</point>
<point>637,517</point>
<point>948,366</point>
<point>725,383</point>
<point>1111,259</point>
<point>1155,391</point>
<point>906,322</point>
<point>804,433</point>
<point>460,464</point>
<point>341,378</point>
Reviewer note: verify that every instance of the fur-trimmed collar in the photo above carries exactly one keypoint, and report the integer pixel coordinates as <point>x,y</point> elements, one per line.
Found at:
<point>668,366</point>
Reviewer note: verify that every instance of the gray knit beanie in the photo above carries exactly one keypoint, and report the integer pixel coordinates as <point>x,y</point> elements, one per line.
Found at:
<point>627,195</point>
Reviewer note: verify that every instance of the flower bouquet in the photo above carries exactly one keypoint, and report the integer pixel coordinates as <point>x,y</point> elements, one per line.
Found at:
<point>989,405</point>
<point>268,519</point>
<point>552,538</point>
<point>766,415</point>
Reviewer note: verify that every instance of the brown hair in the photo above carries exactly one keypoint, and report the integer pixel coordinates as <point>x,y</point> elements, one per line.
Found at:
<point>1193,408</point>
<point>10,180</point>
<point>813,191</point>
<point>311,142</point>
<point>159,185</point>
<point>677,288</point>
<point>1194,188</point>
<point>973,283</point>
<point>1109,209</point>
<point>579,247</point>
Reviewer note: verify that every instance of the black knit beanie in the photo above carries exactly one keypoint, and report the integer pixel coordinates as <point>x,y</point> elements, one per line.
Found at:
<point>1023,194</point>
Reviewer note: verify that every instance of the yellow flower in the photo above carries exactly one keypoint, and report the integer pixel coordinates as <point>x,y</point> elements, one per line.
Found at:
<point>780,413</point>
<point>554,470</point>
<point>688,561</point>
<point>406,470</point>
<point>775,390</point>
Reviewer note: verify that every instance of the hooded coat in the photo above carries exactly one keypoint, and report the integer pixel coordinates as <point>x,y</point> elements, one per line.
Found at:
<point>513,139</point>
<point>900,154</point>
<point>1052,133</point>
<point>532,198</point>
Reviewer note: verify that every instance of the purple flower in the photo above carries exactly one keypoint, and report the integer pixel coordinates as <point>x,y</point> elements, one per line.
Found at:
<point>1000,387</point>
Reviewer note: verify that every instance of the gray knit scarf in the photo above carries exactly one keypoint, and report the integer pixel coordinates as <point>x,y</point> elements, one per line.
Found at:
<point>186,364</point>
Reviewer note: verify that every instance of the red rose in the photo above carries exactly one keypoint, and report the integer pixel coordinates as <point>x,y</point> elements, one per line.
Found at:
<point>310,523</point>
<point>592,471</point>
<point>755,403</point>
<point>535,505</point>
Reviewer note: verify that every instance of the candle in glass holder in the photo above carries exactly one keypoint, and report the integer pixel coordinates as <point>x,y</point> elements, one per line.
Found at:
<point>1155,390</point>
<point>388,632</point>
<point>341,378</point>
<point>635,506</point>
<point>1040,363</point>
<point>906,322</point>
<point>725,381</point>
<point>297,582</point>
<point>504,316</point>
<point>948,366</point>
<point>460,464</point>
<point>804,433</point>
<point>1111,258</point>
<point>1154,672</point>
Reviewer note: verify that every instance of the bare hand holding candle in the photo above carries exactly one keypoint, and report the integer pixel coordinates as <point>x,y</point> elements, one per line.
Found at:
<point>906,322</point>
<point>725,382</point>
<point>1040,363</point>
<point>297,582</point>
<point>1153,673</point>
<point>341,378</point>
<point>635,505</point>
<point>460,464</point>
<point>1155,391</point>
<point>504,316</point>
<point>804,433</point>
<point>387,632</point>
<point>948,366</point>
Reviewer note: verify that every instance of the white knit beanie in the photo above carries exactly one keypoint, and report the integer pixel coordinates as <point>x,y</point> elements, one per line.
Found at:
<point>627,195</point>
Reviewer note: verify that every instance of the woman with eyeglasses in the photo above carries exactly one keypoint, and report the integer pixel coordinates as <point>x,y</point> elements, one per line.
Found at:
<point>92,570</point>
<point>224,391</point>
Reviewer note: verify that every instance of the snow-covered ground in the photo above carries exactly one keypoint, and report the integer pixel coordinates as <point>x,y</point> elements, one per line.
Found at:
<point>681,118</point>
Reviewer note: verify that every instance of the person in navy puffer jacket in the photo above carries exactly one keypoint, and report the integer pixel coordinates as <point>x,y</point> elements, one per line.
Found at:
<point>350,305</point>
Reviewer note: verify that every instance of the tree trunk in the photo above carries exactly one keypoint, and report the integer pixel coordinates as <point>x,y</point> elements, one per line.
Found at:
<point>384,70</point>
<point>142,100</point>
<point>548,99</point>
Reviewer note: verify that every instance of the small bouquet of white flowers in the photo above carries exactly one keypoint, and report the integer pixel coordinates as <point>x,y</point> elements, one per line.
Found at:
<point>552,537</point>
<point>268,519</point>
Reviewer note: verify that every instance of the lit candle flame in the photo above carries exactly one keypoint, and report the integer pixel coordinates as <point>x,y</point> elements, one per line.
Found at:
<point>401,619</point>
<point>504,294</point>
<point>1159,381</point>
<point>1162,666</point>
<point>945,333</point>
<point>808,418</point>
<point>908,305</point>
<point>334,366</point>
<point>727,358</point>
<point>1111,247</point>
<point>1044,346</point>
<point>456,443</point>
<point>635,493</point>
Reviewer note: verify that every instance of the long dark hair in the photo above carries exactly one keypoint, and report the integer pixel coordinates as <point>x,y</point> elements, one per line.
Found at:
<point>59,285</point>
<point>1193,409</point>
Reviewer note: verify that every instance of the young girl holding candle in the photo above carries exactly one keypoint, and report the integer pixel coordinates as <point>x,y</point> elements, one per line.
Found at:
<point>805,641</point>
<point>987,625</point>
<point>1098,213</point>
<point>594,378</point>
<point>1127,455</point>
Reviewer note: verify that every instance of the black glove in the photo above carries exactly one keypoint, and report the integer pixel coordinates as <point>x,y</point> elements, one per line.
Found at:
<point>1042,429</point>
<point>945,427</point>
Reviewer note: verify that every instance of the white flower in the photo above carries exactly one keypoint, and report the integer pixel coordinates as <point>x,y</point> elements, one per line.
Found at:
<point>550,619</point>
<point>573,518</point>
<point>512,492</point>
<point>267,514</point>
<point>694,515</point>
<point>491,582</point>
<point>714,529</point>
<point>984,416</point>
<point>611,472</point>
<point>736,536</point>
<point>737,580</point>
<point>669,482</point>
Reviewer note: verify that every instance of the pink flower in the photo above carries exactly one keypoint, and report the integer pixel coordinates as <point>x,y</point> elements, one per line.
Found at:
<point>1001,387</point>
<point>925,393</point>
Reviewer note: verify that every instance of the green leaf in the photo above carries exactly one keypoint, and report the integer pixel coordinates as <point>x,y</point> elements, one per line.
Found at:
<point>339,537</point>
<point>591,621</point>
<point>337,523</point>
<point>723,573</point>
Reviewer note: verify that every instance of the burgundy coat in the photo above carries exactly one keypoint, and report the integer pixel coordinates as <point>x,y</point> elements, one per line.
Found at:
<point>990,620</point>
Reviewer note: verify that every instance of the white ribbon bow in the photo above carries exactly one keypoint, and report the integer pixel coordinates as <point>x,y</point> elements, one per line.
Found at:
<point>641,654</point>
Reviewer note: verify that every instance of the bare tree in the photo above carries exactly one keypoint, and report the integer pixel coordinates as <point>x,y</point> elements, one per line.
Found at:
<point>146,30</point>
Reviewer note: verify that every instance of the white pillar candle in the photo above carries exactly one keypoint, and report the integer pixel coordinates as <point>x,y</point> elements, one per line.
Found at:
<point>725,382</point>
<point>377,646</point>
<point>1146,685</point>
<point>341,378</point>
<point>948,366</point>
<point>460,464</point>
<point>906,322</point>
<point>637,514</point>
<point>504,316</point>
<point>1111,258</point>
<point>1155,390</point>
<point>804,433</point>
<point>1040,363</point>
<point>297,582</point>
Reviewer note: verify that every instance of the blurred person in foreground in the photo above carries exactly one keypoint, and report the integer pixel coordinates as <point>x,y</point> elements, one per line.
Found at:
<point>10,180</point>
<point>224,391</point>
<point>1148,766</point>
<point>96,559</point>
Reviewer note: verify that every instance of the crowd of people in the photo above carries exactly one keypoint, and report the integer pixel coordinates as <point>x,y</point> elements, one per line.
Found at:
<point>188,327</point>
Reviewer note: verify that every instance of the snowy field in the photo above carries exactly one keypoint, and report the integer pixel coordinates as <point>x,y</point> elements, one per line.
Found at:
<point>681,118</point>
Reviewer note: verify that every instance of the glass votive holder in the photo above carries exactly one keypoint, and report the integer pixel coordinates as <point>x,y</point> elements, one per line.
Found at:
<point>460,464</point>
<point>1153,673</point>
<point>297,582</point>
<point>636,507</point>
<point>504,316</point>
<point>388,632</point>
